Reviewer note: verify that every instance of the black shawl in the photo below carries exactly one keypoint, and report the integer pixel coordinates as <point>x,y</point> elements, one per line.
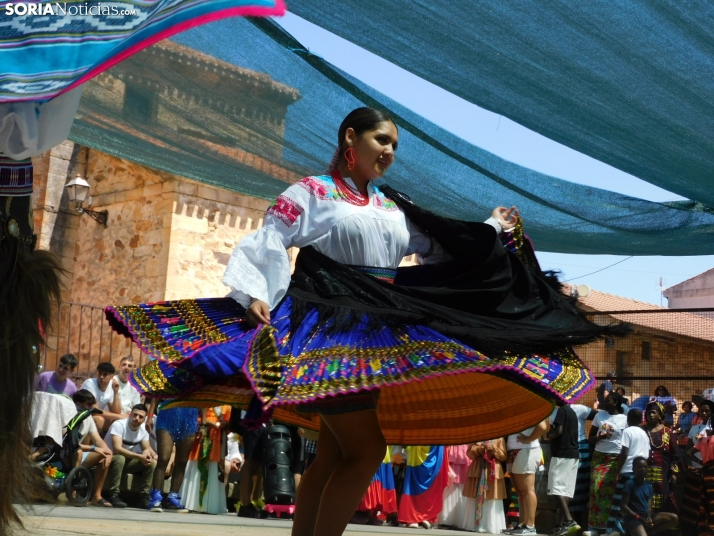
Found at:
<point>486,297</point>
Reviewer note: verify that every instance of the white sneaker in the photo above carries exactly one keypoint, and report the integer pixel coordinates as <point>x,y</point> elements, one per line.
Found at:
<point>413,526</point>
<point>426,525</point>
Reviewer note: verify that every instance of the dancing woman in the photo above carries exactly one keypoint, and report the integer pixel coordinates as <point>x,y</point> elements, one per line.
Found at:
<point>438,347</point>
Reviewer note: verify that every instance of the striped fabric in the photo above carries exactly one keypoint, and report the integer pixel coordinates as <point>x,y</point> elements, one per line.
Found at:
<point>69,43</point>
<point>15,177</point>
<point>383,274</point>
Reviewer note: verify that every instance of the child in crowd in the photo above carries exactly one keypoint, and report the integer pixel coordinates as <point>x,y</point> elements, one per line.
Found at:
<point>637,504</point>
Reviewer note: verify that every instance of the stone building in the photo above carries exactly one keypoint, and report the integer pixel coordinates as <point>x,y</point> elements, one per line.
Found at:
<point>668,348</point>
<point>167,237</point>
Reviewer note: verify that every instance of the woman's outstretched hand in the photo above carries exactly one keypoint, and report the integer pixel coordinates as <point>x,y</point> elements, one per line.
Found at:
<point>258,313</point>
<point>507,217</point>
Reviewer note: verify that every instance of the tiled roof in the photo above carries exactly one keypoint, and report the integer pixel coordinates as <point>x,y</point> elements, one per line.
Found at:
<point>676,323</point>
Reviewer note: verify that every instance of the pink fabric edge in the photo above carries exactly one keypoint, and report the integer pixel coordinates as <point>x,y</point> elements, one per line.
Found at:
<point>271,404</point>
<point>244,11</point>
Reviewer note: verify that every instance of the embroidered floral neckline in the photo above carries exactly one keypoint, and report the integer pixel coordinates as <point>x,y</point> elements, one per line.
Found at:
<point>346,192</point>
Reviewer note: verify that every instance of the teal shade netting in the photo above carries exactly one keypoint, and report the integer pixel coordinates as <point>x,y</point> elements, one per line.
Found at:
<point>628,82</point>
<point>240,105</point>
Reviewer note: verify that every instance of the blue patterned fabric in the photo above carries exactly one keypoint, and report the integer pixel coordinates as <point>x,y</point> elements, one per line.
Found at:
<point>69,42</point>
<point>205,341</point>
<point>181,423</point>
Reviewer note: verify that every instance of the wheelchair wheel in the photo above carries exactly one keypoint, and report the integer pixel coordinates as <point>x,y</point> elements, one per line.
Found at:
<point>79,486</point>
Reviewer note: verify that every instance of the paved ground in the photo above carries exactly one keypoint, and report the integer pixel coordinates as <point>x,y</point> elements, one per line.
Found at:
<point>94,521</point>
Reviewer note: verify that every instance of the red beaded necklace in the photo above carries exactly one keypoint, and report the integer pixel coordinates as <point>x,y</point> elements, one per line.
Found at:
<point>346,192</point>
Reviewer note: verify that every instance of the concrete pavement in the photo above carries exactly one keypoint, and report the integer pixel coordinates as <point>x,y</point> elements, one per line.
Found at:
<point>95,521</point>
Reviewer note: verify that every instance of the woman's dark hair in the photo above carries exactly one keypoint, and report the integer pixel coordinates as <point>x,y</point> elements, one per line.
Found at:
<point>709,404</point>
<point>34,292</point>
<point>666,391</point>
<point>83,397</point>
<point>69,360</point>
<point>106,366</point>
<point>618,400</point>
<point>361,120</point>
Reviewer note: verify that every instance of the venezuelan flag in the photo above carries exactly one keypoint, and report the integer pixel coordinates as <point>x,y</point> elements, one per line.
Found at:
<point>381,495</point>
<point>426,477</point>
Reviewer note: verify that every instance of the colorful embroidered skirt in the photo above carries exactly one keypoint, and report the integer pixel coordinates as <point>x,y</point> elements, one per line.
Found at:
<point>433,389</point>
<point>603,480</point>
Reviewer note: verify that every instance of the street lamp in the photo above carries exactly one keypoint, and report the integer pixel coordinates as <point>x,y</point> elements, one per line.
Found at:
<point>77,190</point>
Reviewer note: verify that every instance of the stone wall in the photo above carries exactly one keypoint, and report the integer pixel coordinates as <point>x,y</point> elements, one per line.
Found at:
<point>668,356</point>
<point>166,238</point>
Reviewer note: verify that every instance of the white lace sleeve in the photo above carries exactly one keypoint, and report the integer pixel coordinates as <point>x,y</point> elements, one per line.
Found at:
<point>259,267</point>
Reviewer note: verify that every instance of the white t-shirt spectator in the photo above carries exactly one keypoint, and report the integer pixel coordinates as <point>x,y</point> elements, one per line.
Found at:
<point>603,421</point>
<point>636,440</point>
<point>131,440</point>
<point>128,395</point>
<point>103,398</point>
<point>514,444</point>
<point>696,433</point>
<point>582,413</point>
<point>86,427</point>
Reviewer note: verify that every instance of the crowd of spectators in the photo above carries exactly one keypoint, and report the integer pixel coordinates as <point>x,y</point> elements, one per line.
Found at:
<point>638,470</point>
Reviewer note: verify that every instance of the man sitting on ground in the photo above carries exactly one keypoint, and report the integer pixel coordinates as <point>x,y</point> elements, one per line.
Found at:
<point>129,441</point>
<point>94,451</point>
<point>106,391</point>
<point>637,504</point>
<point>128,395</point>
<point>58,382</point>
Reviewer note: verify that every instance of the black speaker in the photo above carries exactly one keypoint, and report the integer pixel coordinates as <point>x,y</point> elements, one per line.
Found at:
<point>278,484</point>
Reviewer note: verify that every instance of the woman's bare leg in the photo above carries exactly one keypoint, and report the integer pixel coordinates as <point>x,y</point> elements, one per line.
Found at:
<point>526,485</point>
<point>314,481</point>
<point>363,446</point>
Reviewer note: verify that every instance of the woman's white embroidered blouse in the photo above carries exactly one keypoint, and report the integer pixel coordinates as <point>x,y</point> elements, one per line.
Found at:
<point>313,212</point>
